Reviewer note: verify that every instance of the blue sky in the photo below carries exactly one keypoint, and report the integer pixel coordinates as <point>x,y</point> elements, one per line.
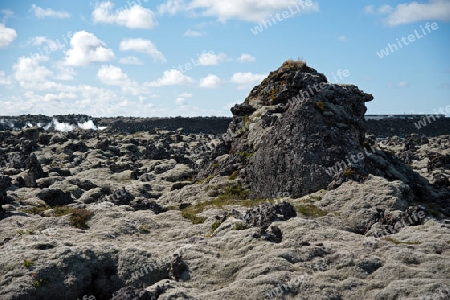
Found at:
<point>200,57</point>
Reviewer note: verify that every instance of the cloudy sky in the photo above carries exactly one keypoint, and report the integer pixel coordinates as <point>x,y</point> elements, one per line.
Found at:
<point>200,57</point>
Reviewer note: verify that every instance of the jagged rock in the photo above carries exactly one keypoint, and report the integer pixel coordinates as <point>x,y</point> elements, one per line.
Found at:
<point>286,142</point>
<point>55,197</point>
<point>264,214</point>
<point>130,293</point>
<point>177,267</point>
<point>34,171</point>
<point>148,204</point>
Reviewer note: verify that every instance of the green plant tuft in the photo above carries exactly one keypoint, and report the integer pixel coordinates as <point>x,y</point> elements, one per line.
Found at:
<point>143,229</point>
<point>215,225</point>
<point>348,172</point>
<point>233,175</point>
<point>41,282</point>
<point>79,218</point>
<point>37,210</point>
<point>397,242</point>
<point>321,106</point>
<point>310,210</point>
<point>27,263</point>
<point>240,226</point>
<point>245,155</point>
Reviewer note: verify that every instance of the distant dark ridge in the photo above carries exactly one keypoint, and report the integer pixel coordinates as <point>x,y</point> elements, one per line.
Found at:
<point>217,125</point>
<point>207,125</point>
<point>404,127</point>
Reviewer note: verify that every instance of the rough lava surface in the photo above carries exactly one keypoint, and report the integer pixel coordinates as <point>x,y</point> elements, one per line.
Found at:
<point>255,214</point>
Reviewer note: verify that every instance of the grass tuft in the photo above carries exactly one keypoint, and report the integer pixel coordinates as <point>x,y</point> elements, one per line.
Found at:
<point>234,175</point>
<point>293,64</point>
<point>310,210</point>
<point>143,229</point>
<point>41,282</point>
<point>36,210</point>
<point>79,218</point>
<point>397,242</point>
<point>27,263</point>
<point>215,225</point>
<point>321,106</point>
<point>240,226</point>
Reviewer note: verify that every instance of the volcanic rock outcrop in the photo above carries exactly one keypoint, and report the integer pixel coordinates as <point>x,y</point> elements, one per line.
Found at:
<point>296,134</point>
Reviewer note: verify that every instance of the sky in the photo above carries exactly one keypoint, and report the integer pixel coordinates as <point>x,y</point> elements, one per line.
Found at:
<point>146,58</point>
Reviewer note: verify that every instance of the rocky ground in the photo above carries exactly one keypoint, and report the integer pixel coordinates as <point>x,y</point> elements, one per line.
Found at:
<point>255,213</point>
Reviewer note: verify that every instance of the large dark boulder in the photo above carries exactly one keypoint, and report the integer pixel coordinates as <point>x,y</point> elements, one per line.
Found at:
<point>55,197</point>
<point>291,128</point>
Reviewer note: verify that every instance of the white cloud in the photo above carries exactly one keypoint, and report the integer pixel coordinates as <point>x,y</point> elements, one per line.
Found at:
<point>434,10</point>
<point>130,60</point>
<point>7,36</point>
<point>50,44</point>
<point>172,7</point>
<point>246,58</point>
<point>211,81</point>
<point>65,73</point>
<point>28,70</point>
<point>185,95</point>
<point>181,101</point>
<point>114,76</point>
<point>44,13</point>
<point>171,77</point>
<point>87,48</point>
<point>385,9</point>
<point>244,80</point>
<point>369,9</point>
<point>246,10</point>
<point>111,75</point>
<point>193,33</point>
<point>134,17</point>
<point>211,59</point>
<point>401,84</point>
<point>6,14</point>
<point>143,46</point>
<point>4,80</point>
<point>343,38</point>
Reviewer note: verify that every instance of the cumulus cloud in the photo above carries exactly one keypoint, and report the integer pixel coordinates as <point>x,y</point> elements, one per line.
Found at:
<point>434,10</point>
<point>134,17</point>
<point>401,84</point>
<point>343,38</point>
<point>65,72</point>
<point>211,81</point>
<point>4,80</point>
<point>29,70</point>
<point>246,58</point>
<point>42,40</point>
<point>142,46</point>
<point>246,10</point>
<point>211,59</point>
<point>7,36</point>
<point>48,13</point>
<point>172,7</point>
<point>130,60</point>
<point>181,99</point>
<point>171,77</point>
<point>114,76</point>
<point>369,9</point>
<point>87,48</point>
<point>244,80</point>
<point>192,33</point>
